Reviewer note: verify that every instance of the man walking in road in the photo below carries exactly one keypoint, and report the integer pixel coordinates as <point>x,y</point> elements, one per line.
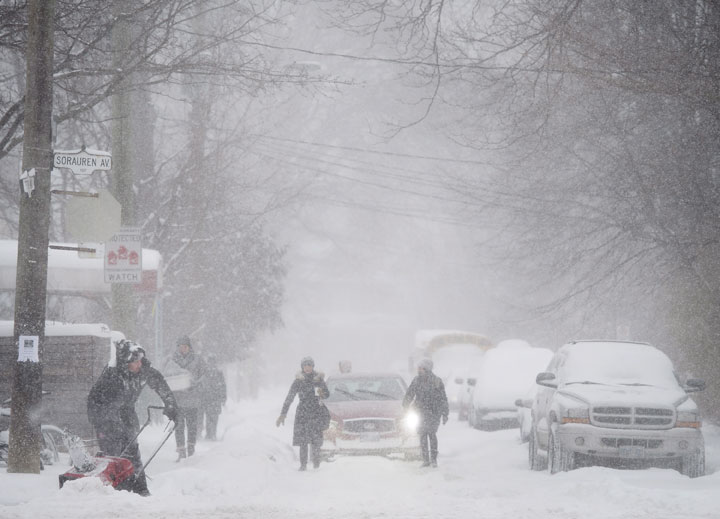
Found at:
<point>427,394</point>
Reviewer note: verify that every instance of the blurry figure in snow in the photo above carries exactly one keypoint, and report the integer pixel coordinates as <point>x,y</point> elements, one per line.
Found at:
<point>111,405</point>
<point>427,394</point>
<point>344,366</point>
<point>311,416</point>
<point>188,399</point>
<point>214,396</point>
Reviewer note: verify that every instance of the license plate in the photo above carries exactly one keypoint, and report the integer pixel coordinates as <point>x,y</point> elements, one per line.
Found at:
<point>632,451</point>
<point>370,437</point>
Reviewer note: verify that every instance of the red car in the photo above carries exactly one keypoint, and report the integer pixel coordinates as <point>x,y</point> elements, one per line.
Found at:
<point>367,417</point>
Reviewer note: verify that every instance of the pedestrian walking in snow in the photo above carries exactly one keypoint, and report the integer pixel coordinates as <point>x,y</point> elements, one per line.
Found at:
<point>214,396</point>
<point>427,394</point>
<point>189,400</point>
<point>111,405</point>
<point>311,415</point>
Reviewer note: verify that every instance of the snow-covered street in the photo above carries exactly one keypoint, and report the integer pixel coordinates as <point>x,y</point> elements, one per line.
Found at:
<point>253,472</point>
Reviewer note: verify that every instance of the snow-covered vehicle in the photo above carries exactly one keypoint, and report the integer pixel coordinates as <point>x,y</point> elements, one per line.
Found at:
<point>618,403</point>
<point>367,416</point>
<point>456,356</point>
<point>505,374</point>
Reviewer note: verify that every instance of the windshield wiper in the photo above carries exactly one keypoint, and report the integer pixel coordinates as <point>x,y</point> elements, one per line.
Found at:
<point>585,382</point>
<point>389,397</point>
<point>348,393</point>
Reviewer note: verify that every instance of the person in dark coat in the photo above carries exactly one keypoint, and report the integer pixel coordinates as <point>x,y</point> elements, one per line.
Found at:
<point>310,415</point>
<point>427,394</point>
<point>214,396</point>
<point>188,399</point>
<point>111,405</point>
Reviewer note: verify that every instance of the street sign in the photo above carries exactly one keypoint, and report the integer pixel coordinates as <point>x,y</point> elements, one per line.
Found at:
<point>93,219</point>
<point>123,256</point>
<point>83,161</point>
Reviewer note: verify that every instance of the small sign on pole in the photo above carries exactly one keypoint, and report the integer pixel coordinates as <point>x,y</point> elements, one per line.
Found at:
<point>82,161</point>
<point>123,256</point>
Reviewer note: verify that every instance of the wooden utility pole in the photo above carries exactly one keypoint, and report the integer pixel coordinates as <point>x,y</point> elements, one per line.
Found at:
<point>124,303</point>
<point>32,257</point>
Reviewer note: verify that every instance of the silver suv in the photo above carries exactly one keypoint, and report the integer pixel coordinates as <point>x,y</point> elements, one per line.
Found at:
<point>601,401</point>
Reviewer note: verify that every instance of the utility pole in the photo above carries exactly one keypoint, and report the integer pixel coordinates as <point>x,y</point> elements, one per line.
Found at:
<point>32,258</point>
<point>124,304</point>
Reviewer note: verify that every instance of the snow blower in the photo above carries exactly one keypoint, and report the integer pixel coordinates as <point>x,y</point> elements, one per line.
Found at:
<point>117,471</point>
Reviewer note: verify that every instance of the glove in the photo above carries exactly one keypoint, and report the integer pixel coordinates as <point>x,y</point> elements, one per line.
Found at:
<point>445,419</point>
<point>171,413</point>
<point>280,421</point>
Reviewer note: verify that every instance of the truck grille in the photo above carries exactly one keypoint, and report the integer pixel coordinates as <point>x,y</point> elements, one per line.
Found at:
<point>369,425</point>
<point>632,442</point>
<point>633,417</point>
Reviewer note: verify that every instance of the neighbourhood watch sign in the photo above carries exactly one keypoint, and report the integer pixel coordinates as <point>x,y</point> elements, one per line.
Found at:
<point>123,256</point>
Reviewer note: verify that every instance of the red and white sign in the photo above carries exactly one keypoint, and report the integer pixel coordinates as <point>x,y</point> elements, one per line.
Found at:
<point>123,256</point>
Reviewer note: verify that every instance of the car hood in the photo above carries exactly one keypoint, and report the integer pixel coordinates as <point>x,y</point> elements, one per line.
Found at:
<point>600,394</point>
<point>365,409</point>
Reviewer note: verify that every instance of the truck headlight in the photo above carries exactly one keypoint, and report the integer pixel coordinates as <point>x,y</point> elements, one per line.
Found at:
<point>688,419</point>
<point>576,415</point>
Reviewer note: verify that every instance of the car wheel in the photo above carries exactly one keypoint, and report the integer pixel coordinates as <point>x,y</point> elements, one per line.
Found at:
<point>560,459</point>
<point>537,462</point>
<point>693,465</point>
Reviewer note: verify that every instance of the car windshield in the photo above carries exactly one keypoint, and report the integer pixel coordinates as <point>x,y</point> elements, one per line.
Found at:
<point>365,388</point>
<point>624,364</point>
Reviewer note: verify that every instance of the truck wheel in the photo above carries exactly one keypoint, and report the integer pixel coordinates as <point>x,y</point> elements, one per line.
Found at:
<point>693,465</point>
<point>560,459</point>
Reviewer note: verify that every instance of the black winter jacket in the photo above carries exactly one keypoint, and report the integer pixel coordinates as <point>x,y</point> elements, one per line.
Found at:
<point>310,414</point>
<point>111,402</point>
<point>427,392</point>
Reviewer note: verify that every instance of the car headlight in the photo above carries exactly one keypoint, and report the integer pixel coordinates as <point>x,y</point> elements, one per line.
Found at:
<point>411,420</point>
<point>576,415</point>
<point>688,419</point>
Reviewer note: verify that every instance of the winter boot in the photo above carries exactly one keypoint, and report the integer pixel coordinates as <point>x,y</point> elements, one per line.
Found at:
<point>190,449</point>
<point>139,485</point>
<point>182,453</point>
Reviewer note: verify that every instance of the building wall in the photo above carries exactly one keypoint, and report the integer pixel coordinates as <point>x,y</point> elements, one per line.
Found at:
<point>70,366</point>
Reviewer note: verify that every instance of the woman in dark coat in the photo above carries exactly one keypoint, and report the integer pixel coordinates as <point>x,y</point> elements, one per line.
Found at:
<point>311,416</point>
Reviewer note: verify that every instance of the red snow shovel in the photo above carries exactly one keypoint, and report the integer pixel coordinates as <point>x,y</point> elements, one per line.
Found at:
<point>112,470</point>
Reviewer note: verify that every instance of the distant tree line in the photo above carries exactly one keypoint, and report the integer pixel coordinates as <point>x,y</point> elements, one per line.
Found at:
<point>603,124</point>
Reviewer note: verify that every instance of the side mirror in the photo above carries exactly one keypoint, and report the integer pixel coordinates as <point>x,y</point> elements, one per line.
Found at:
<point>546,379</point>
<point>472,381</point>
<point>524,402</point>
<point>693,385</point>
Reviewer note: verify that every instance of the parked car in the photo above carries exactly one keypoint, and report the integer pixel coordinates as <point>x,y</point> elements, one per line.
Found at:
<point>465,397</point>
<point>367,417</point>
<point>615,402</point>
<point>505,374</point>
<point>454,364</point>
<point>524,412</point>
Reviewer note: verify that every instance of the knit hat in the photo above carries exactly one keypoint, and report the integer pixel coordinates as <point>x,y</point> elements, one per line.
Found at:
<point>426,364</point>
<point>183,339</point>
<point>307,361</point>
